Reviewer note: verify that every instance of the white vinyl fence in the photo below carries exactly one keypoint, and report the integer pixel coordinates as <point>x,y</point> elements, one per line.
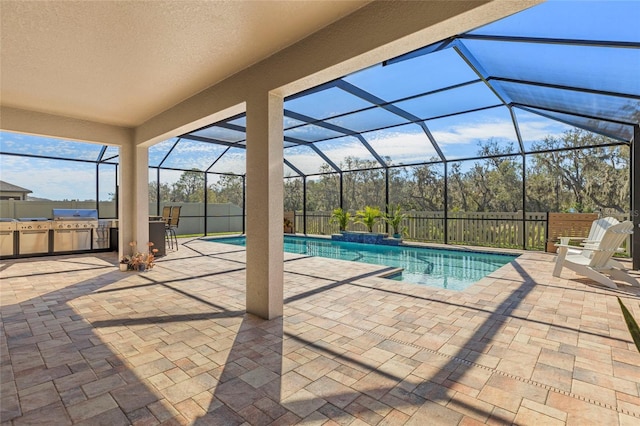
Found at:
<point>220,217</point>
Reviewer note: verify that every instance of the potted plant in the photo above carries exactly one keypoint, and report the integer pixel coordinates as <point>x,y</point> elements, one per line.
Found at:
<point>368,217</point>
<point>147,260</point>
<point>341,218</point>
<point>394,218</point>
<point>124,263</point>
<point>138,261</point>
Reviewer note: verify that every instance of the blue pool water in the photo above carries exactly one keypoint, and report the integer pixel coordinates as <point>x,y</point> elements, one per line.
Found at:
<point>450,269</point>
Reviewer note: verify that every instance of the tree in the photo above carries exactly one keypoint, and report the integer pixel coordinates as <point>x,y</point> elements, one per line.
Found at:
<point>582,176</point>
<point>494,183</point>
<point>165,191</point>
<point>363,184</point>
<point>489,184</point>
<point>323,193</point>
<point>228,189</point>
<point>567,172</point>
<point>189,188</point>
<point>458,189</point>
<point>417,188</point>
<point>293,194</point>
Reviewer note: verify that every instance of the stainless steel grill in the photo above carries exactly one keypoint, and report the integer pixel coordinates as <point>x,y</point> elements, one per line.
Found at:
<point>73,229</point>
<point>33,235</point>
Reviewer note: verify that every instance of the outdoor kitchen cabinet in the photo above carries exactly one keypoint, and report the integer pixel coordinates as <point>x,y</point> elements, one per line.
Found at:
<point>8,237</point>
<point>73,229</point>
<point>33,235</point>
<point>71,240</point>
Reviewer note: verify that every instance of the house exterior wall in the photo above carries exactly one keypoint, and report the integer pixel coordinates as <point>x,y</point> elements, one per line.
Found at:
<point>12,195</point>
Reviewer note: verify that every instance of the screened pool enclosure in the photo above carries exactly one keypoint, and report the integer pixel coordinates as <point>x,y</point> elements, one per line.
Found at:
<point>476,137</point>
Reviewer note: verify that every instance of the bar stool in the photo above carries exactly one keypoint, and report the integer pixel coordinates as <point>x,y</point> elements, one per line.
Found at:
<point>166,218</point>
<point>173,225</point>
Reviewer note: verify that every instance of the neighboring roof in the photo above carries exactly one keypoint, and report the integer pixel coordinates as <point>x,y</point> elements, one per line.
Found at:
<point>9,187</point>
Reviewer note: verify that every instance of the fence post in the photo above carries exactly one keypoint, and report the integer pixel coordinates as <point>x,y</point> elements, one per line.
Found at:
<point>445,195</point>
<point>520,235</point>
<point>546,231</point>
<point>304,205</point>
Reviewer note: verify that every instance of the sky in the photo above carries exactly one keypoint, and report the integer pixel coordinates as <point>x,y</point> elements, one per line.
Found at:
<point>54,179</point>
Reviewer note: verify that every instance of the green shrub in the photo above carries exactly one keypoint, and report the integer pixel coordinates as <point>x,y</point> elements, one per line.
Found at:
<point>340,217</point>
<point>368,217</point>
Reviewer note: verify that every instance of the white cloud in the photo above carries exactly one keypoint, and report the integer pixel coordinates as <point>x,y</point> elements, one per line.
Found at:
<point>190,155</point>
<point>468,133</point>
<point>306,162</point>
<point>231,163</point>
<point>56,180</point>
<point>404,148</point>
<point>337,150</point>
<point>538,130</point>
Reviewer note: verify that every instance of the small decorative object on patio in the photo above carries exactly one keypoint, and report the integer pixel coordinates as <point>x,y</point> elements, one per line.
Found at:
<point>138,261</point>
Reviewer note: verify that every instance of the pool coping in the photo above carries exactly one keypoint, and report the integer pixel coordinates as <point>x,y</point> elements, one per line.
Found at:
<point>418,244</point>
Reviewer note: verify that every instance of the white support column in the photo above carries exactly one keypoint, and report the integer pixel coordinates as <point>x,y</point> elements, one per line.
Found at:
<point>141,204</point>
<point>265,206</point>
<point>133,204</point>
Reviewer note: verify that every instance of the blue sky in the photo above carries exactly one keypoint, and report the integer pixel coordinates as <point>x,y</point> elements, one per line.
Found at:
<point>53,179</point>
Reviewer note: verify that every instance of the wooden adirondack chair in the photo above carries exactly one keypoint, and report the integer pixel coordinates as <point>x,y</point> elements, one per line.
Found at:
<point>595,235</point>
<point>595,260</point>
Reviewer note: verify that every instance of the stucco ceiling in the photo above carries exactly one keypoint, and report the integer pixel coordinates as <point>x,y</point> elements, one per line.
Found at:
<point>123,62</point>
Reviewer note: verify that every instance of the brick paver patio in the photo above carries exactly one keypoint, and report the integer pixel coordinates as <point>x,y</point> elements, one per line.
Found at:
<point>83,343</point>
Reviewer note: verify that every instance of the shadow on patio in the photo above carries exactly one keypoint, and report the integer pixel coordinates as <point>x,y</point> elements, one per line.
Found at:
<point>172,346</point>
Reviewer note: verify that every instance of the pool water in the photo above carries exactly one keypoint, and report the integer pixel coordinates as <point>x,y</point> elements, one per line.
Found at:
<point>450,269</point>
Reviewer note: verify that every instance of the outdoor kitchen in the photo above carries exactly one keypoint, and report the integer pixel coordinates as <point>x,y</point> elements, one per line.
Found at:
<point>67,231</point>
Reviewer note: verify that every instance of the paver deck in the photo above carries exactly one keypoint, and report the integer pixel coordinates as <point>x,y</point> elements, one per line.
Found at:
<point>83,343</point>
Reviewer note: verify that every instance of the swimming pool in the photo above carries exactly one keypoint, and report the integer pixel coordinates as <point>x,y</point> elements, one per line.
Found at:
<point>450,269</point>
